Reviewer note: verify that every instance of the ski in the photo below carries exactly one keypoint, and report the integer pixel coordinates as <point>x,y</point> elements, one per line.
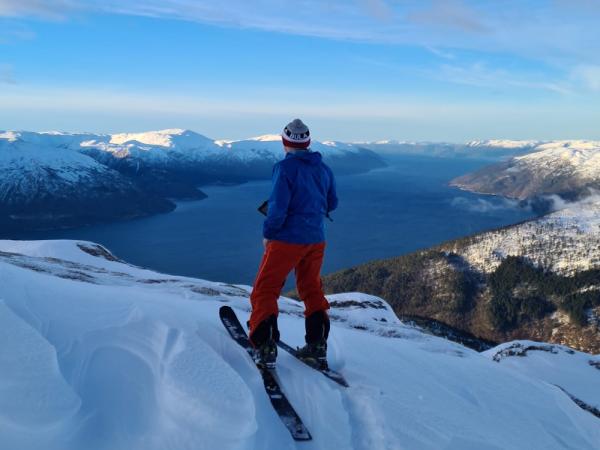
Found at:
<point>280,403</point>
<point>331,374</point>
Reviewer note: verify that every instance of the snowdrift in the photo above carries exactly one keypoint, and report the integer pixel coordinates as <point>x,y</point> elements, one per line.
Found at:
<point>99,354</point>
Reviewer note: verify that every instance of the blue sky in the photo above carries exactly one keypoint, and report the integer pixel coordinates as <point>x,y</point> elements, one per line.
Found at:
<point>450,70</point>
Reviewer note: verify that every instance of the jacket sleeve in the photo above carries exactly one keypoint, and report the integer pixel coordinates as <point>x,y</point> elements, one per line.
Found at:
<point>278,203</point>
<point>332,200</point>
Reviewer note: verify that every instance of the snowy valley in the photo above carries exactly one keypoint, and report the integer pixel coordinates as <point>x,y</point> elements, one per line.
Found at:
<point>100,354</point>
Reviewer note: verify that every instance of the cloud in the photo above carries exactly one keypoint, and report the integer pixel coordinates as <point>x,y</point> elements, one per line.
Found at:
<point>440,53</point>
<point>557,203</point>
<point>52,9</point>
<point>480,205</point>
<point>559,31</point>
<point>7,74</point>
<point>452,14</point>
<point>479,74</point>
<point>379,9</point>
<point>588,76</point>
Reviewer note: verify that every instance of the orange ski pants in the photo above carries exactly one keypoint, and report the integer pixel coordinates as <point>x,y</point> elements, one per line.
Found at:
<point>277,262</point>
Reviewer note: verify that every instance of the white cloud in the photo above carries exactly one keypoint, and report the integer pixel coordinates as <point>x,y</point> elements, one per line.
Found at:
<point>440,53</point>
<point>588,76</point>
<point>379,9</point>
<point>452,14</point>
<point>481,75</point>
<point>483,206</point>
<point>7,74</point>
<point>559,31</point>
<point>39,8</point>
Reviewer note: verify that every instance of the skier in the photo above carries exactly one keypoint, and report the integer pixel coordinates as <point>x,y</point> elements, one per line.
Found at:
<point>303,193</point>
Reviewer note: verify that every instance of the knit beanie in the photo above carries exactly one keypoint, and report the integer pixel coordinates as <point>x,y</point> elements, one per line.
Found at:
<point>296,135</point>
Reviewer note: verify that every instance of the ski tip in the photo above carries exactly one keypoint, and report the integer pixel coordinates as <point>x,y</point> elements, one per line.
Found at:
<point>302,434</point>
<point>225,310</point>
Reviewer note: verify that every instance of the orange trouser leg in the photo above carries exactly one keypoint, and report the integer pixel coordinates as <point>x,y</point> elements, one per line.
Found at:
<point>277,262</point>
<point>308,279</point>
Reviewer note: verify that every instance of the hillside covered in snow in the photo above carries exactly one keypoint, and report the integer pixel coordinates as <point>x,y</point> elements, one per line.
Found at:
<point>99,354</point>
<point>565,168</point>
<point>44,183</point>
<point>536,280</point>
<point>53,180</point>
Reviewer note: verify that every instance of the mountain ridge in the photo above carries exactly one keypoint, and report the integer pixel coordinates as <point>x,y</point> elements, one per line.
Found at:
<point>565,168</point>
<point>56,179</point>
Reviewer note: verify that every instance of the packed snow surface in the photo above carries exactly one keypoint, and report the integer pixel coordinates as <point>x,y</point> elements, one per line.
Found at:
<point>575,372</point>
<point>99,354</point>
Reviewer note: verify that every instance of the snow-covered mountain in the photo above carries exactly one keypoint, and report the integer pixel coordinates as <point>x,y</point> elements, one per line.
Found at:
<point>343,158</point>
<point>504,144</point>
<point>100,354</point>
<point>56,179</point>
<point>564,242</point>
<point>566,168</point>
<point>539,280</point>
<point>44,183</point>
<point>185,151</point>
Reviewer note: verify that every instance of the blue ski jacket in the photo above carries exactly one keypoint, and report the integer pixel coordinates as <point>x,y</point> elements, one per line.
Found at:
<point>303,194</point>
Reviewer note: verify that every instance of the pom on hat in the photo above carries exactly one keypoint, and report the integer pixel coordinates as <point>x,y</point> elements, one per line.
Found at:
<point>296,135</point>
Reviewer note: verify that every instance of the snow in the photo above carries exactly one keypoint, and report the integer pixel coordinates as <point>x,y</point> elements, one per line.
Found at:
<point>31,162</point>
<point>271,145</point>
<point>565,241</point>
<point>504,143</point>
<point>171,138</point>
<point>573,158</point>
<point>170,146</point>
<point>576,372</point>
<point>103,354</point>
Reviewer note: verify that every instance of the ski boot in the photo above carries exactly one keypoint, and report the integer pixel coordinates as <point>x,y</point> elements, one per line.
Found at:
<point>314,354</point>
<point>266,354</point>
<point>264,339</point>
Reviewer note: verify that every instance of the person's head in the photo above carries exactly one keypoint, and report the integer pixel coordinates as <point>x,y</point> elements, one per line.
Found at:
<point>295,136</point>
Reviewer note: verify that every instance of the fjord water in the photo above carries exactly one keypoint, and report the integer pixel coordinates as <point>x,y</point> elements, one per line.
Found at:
<point>383,213</point>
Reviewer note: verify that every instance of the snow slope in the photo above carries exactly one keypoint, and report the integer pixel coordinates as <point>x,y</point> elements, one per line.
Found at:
<point>155,147</point>
<point>99,354</point>
<point>565,241</point>
<point>504,143</point>
<point>28,164</point>
<point>566,168</point>
<point>575,372</point>
<point>45,183</point>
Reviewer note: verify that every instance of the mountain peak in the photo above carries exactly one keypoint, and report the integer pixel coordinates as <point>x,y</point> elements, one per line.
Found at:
<point>169,138</point>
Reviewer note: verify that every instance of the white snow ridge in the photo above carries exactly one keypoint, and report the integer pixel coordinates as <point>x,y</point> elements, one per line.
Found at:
<point>98,354</point>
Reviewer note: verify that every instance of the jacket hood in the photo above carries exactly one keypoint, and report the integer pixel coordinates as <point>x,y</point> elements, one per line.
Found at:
<point>308,157</point>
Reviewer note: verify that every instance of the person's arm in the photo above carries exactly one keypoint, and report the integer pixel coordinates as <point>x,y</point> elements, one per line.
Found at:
<point>278,203</point>
<point>332,200</point>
